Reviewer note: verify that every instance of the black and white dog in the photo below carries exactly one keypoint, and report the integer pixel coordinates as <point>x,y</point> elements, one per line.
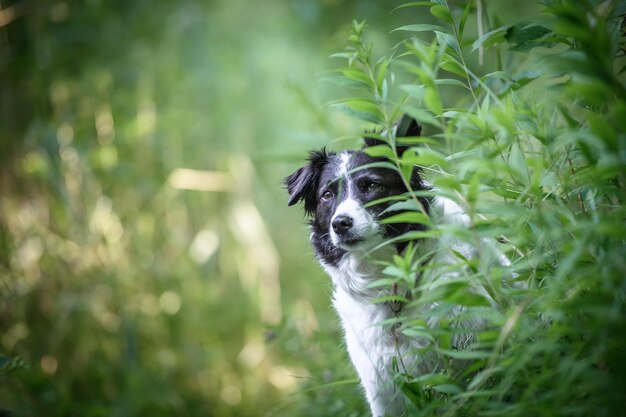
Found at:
<point>347,233</point>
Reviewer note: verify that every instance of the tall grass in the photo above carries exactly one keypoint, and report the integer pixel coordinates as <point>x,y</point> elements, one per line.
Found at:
<point>535,152</point>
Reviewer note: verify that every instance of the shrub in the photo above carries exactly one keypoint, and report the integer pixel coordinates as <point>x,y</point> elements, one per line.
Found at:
<point>535,151</point>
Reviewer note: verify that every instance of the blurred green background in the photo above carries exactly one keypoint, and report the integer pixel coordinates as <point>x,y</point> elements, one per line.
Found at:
<point>148,262</point>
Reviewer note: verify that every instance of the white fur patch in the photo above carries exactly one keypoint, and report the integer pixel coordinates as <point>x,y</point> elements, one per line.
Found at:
<point>343,172</point>
<point>343,168</point>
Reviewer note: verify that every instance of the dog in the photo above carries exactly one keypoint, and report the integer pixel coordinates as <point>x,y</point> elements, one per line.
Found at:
<point>348,195</point>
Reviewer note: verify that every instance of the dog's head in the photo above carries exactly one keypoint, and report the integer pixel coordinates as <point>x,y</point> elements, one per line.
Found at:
<point>338,190</point>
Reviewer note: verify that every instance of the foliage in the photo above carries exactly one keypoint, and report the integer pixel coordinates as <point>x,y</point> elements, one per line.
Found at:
<point>127,288</point>
<point>535,151</point>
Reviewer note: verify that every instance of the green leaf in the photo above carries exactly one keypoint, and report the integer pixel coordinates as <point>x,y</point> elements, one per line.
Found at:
<point>417,140</point>
<point>383,200</point>
<point>517,164</point>
<point>422,116</point>
<point>384,90</point>
<point>342,55</point>
<point>468,299</point>
<point>388,298</point>
<point>448,40</point>
<point>408,217</point>
<point>449,389</point>
<point>451,81</point>
<point>491,38</point>
<point>425,158</point>
<point>501,75</point>
<point>442,13</point>
<point>412,235</point>
<point>415,91</point>
<point>423,27</point>
<point>433,101</point>
<point>409,204</point>
<point>380,151</point>
<point>451,64</point>
<point>381,74</point>
<point>524,77</point>
<point>432,379</point>
<point>413,4</point>
<point>524,36</point>
<point>472,191</point>
<point>358,76</point>
<point>414,392</point>
<point>417,332</point>
<point>464,354</point>
<point>426,54</point>
<point>506,192</point>
<point>382,164</point>
<point>406,169</point>
<point>466,11</point>
<point>450,114</point>
<point>362,109</point>
<point>483,376</point>
<point>480,393</point>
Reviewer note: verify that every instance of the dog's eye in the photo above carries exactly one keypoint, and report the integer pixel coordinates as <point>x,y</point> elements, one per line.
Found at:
<point>374,186</point>
<point>327,195</point>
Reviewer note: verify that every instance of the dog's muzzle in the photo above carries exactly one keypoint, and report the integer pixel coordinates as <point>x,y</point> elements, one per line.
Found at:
<point>351,225</point>
<point>345,233</point>
<point>342,224</point>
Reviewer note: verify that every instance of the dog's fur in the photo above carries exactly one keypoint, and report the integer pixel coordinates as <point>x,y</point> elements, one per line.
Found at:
<point>347,236</point>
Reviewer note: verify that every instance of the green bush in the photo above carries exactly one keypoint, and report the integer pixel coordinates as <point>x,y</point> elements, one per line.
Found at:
<point>534,149</point>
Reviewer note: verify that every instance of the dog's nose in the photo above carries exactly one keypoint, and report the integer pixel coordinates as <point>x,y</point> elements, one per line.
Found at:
<point>342,223</point>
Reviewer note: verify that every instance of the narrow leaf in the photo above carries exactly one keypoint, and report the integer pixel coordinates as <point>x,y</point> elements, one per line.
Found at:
<point>408,217</point>
<point>451,64</point>
<point>361,109</point>
<point>468,8</point>
<point>491,38</point>
<point>413,4</point>
<point>450,389</point>
<point>422,116</point>
<point>448,40</point>
<point>358,75</point>
<point>415,91</point>
<point>451,81</point>
<point>380,150</point>
<point>403,206</point>
<point>465,354</point>
<point>433,101</point>
<point>421,28</point>
<point>525,36</point>
<point>381,73</point>
<point>442,13</point>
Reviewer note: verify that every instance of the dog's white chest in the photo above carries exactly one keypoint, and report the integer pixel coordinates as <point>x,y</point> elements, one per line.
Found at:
<point>373,348</point>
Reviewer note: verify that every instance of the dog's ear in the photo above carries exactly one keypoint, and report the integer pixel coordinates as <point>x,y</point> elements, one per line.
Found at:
<point>406,127</point>
<point>302,184</point>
